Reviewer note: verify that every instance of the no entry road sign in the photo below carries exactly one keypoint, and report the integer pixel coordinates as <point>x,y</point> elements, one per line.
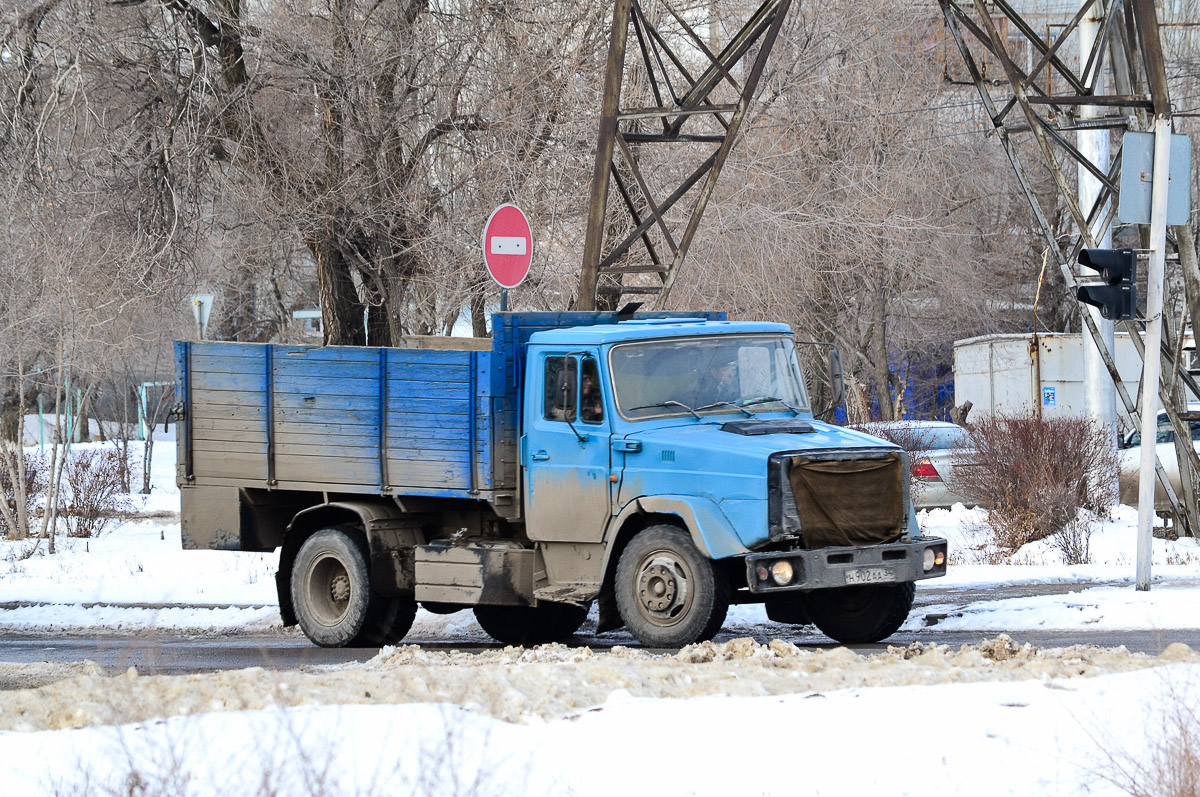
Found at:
<point>507,246</point>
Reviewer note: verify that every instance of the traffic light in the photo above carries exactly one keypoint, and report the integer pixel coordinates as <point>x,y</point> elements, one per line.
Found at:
<point>1116,296</point>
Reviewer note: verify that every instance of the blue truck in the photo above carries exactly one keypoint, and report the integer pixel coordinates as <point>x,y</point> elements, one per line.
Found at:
<point>662,466</point>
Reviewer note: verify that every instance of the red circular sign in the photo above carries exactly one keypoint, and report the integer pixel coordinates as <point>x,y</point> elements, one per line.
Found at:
<point>507,246</point>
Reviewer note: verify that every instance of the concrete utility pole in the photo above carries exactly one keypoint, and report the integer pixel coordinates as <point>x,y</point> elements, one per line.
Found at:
<point>1153,364</point>
<point>1099,391</point>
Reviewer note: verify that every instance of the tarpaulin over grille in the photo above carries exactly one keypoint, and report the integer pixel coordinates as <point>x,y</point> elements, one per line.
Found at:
<point>849,502</point>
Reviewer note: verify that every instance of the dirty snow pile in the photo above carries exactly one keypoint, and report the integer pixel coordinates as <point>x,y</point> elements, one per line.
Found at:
<point>554,681</point>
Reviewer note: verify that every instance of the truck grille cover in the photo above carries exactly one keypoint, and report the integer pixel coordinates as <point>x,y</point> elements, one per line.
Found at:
<point>846,501</point>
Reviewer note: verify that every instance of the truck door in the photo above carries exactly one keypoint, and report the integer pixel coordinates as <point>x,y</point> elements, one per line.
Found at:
<point>565,450</point>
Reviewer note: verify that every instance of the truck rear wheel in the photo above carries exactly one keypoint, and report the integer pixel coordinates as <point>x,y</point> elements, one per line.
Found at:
<point>402,618</point>
<point>668,593</point>
<point>531,625</point>
<point>331,591</point>
<point>861,614</point>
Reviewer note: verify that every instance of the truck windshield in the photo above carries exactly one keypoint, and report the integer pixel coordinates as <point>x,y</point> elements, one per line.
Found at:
<point>743,374</point>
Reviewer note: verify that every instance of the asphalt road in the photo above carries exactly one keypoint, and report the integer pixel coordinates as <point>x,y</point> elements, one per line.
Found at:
<point>176,654</point>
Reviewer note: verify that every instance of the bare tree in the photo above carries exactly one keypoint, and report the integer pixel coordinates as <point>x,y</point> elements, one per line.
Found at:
<point>94,240</point>
<point>379,133</point>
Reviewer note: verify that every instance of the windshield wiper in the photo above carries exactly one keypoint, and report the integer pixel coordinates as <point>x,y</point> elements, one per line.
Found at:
<point>668,403</point>
<point>727,404</point>
<point>771,400</point>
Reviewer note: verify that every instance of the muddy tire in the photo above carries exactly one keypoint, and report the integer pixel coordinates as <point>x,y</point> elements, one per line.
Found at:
<point>402,612</point>
<point>668,593</point>
<point>854,615</point>
<point>331,591</point>
<point>531,625</point>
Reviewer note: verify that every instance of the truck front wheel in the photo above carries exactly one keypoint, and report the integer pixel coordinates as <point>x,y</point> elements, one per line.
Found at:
<point>331,590</point>
<point>668,593</point>
<point>861,614</point>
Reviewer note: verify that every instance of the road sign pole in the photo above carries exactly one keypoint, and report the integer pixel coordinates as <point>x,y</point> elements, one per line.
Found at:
<point>1152,369</point>
<point>504,300</point>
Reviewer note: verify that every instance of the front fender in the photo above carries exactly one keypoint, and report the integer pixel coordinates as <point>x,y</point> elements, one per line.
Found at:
<point>712,532</point>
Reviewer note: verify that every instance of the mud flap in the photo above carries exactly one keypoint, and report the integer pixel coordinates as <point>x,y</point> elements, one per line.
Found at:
<point>609,618</point>
<point>283,586</point>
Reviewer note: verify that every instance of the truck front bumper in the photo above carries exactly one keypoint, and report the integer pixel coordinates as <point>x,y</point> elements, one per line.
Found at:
<point>826,568</point>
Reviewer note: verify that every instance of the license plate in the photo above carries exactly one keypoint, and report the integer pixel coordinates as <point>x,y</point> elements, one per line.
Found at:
<point>870,575</point>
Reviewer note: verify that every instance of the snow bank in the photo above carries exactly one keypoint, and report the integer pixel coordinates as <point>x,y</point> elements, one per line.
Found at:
<point>1112,546</point>
<point>553,681</point>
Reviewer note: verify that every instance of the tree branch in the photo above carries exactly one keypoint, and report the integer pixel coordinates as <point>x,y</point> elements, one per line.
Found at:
<point>470,123</point>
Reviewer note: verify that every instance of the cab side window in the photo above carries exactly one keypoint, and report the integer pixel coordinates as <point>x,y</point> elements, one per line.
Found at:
<point>559,389</point>
<point>591,401</point>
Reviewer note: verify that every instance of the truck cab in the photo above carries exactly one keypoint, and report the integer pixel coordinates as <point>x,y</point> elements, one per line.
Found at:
<point>702,432</point>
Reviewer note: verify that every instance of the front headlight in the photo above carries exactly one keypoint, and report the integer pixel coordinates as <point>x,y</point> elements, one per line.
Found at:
<point>932,558</point>
<point>782,573</point>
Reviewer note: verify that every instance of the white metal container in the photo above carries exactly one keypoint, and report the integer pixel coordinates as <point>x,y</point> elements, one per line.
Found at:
<point>999,373</point>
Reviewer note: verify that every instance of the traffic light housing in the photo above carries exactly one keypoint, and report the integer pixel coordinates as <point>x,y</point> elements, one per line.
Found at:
<point>1117,295</point>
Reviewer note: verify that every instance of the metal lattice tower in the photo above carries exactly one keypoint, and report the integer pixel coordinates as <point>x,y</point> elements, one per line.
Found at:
<point>692,113</point>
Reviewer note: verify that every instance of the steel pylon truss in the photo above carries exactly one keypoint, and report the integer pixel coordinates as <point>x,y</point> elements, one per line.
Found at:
<point>663,143</point>
<point>1044,100</point>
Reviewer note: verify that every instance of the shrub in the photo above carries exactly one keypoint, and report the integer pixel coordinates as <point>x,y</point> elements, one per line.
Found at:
<point>1074,542</point>
<point>1034,475</point>
<point>94,490</point>
<point>35,484</point>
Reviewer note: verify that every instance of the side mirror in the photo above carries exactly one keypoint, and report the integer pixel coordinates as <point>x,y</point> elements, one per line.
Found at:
<point>565,401</point>
<point>837,379</point>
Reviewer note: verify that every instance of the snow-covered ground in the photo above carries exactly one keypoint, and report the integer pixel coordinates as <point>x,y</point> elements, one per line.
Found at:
<point>735,717</point>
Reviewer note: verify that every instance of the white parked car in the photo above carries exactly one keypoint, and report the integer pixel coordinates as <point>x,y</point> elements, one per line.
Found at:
<point>938,448</point>
<point>1129,460</point>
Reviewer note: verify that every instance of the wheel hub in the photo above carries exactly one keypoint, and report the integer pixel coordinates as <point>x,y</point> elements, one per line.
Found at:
<point>339,589</point>
<point>657,588</point>
<point>662,589</point>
